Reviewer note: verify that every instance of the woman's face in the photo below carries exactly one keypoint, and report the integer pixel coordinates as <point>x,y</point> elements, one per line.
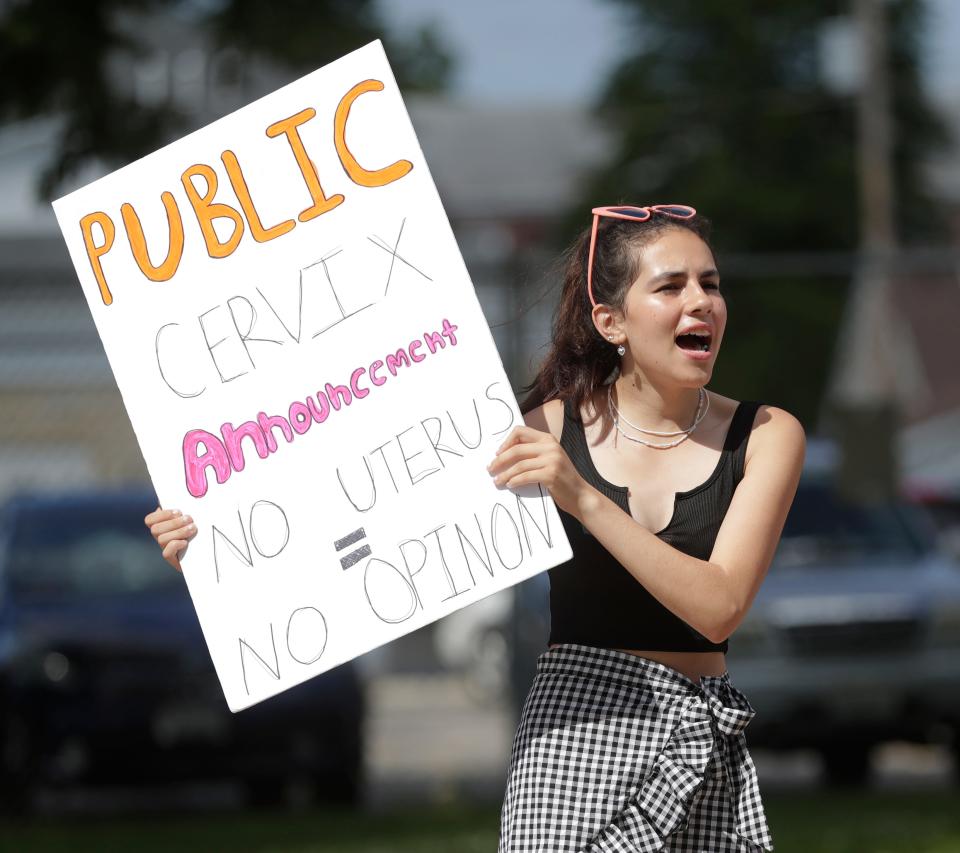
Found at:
<point>678,288</point>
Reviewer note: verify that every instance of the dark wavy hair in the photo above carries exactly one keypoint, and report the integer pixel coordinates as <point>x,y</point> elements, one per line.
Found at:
<point>579,359</point>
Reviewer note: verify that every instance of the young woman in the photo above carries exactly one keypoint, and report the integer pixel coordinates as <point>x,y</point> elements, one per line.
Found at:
<point>673,498</point>
<point>631,738</point>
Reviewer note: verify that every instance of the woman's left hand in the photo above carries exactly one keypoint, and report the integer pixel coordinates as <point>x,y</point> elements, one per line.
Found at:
<point>531,456</point>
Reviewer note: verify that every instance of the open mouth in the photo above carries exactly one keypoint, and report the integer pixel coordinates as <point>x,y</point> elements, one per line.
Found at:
<point>697,341</point>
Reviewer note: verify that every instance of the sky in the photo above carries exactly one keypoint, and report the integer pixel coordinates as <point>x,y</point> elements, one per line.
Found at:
<point>494,40</point>
<point>943,36</point>
<point>573,42</point>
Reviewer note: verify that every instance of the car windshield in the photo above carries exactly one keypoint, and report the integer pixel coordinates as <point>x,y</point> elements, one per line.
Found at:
<point>84,551</point>
<point>822,527</point>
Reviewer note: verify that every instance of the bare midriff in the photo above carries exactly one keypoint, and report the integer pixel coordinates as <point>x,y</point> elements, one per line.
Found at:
<point>691,664</point>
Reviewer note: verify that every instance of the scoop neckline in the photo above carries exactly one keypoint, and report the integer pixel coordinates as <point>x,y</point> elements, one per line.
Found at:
<point>676,495</point>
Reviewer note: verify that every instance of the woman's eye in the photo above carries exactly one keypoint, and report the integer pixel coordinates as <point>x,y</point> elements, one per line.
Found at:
<point>706,285</point>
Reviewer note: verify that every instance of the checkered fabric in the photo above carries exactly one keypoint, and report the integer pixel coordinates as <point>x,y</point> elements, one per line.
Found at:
<point>616,753</point>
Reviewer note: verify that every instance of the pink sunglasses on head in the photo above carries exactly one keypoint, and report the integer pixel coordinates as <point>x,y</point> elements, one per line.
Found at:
<point>638,214</point>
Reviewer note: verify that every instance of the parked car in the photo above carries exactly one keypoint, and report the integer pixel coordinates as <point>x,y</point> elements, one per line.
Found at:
<point>105,674</point>
<point>853,639</point>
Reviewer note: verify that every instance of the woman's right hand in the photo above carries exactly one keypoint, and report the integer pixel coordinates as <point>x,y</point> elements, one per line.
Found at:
<point>173,531</point>
<point>530,455</point>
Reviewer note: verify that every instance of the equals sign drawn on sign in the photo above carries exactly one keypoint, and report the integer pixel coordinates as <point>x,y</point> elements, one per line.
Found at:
<point>356,555</point>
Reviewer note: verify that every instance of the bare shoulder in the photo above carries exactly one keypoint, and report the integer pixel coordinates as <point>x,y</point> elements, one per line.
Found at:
<point>776,434</point>
<point>721,409</point>
<point>547,418</point>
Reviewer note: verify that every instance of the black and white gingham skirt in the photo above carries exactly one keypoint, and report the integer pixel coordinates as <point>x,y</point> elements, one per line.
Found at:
<point>615,753</point>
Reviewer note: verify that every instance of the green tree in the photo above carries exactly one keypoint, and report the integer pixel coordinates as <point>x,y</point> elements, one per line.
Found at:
<point>722,104</point>
<point>61,58</point>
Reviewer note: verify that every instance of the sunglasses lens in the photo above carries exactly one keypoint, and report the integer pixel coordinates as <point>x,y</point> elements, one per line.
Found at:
<point>679,210</point>
<point>640,213</point>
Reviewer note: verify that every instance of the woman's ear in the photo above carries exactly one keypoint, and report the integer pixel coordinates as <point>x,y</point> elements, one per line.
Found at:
<point>608,323</point>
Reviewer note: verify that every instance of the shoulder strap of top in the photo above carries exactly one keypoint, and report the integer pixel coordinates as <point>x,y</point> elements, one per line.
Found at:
<point>739,434</point>
<point>573,440</point>
<point>569,433</point>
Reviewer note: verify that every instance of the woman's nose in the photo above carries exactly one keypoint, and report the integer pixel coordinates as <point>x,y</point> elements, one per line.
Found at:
<point>699,298</point>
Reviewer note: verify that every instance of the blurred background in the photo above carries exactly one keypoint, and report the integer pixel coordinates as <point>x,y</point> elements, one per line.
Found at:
<point>820,136</point>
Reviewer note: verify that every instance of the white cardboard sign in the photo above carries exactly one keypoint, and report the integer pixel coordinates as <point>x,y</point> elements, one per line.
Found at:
<point>309,375</point>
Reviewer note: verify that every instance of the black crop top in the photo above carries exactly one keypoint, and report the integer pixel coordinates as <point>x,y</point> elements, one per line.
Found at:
<point>594,600</point>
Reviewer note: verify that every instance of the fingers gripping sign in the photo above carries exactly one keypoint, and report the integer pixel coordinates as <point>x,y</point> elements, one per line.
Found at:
<point>172,531</point>
<point>530,456</point>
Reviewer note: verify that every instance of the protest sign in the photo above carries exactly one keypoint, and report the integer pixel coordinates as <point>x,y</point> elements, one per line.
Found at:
<point>309,375</point>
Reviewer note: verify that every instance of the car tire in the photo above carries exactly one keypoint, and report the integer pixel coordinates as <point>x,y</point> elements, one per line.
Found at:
<point>267,792</point>
<point>16,773</point>
<point>846,765</point>
<point>15,799</point>
<point>955,754</point>
<point>345,790</point>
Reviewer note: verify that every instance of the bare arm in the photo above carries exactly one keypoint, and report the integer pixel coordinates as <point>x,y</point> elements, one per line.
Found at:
<point>711,595</point>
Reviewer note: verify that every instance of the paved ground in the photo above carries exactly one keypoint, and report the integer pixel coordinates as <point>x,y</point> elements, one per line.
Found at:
<point>427,738</point>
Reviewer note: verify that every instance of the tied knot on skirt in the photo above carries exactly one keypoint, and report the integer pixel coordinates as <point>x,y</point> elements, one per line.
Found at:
<point>661,807</point>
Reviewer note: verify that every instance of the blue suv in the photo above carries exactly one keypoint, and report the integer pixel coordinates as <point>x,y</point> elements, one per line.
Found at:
<point>105,674</point>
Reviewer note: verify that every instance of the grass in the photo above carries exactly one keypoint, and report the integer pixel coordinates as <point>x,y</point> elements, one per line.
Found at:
<point>865,822</point>
<point>806,822</point>
<point>428,830</point>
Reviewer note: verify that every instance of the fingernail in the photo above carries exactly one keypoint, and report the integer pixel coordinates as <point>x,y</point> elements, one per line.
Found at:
<point>175,511</point>
<point>191,527</point>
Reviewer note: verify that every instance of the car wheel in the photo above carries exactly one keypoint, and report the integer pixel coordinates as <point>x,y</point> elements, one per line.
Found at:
<point>955,752</point>
<point>15,798</point>
<point>847,765</point>
<point>16,776</point>
<point>344,785</point>
<point>345,790</point>
<point>266,793</point>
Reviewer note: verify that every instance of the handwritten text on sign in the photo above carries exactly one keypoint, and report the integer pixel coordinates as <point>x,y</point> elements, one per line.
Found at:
<point>303,359</point>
